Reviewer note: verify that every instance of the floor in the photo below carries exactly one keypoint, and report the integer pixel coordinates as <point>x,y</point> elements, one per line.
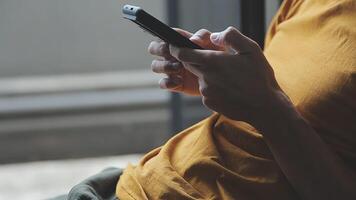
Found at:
<point>42,180</point>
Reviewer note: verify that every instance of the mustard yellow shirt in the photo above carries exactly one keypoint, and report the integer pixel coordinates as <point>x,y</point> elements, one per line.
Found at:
<point>311,45</point>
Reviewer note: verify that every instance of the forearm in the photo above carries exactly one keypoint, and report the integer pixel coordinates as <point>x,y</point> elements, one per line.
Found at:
<point>314,170</point>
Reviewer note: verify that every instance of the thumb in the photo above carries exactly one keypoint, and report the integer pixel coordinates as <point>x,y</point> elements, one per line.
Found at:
<point>232,38</point>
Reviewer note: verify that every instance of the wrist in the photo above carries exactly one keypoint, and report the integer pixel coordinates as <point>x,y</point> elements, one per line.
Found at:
<point>276,109</point>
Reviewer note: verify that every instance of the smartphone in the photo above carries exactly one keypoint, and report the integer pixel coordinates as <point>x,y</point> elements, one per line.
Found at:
<point>156,27</point>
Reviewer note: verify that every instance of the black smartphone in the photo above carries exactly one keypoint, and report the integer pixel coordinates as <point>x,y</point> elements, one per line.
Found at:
<point>156,27</point>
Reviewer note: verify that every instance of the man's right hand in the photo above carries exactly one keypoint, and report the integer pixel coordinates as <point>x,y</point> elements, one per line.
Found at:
<point>178,78</point>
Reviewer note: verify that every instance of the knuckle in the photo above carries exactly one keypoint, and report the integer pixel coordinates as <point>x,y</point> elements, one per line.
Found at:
<point>229,33</point>
<point>166,66</point>
<point>201,35</point>
<point>230,28</point>
<point>159,66</point>
<point>255,45</point>
<point>163,49</point>
<point>202,32</point>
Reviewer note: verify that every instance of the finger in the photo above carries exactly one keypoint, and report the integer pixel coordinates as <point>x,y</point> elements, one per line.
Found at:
<point>201,37</point>
<point>159,49</point>
<point>195,56</point>
<point>185,33</point>
<point>233,38</point>
<point>165,66</point>
<point>171,83</point>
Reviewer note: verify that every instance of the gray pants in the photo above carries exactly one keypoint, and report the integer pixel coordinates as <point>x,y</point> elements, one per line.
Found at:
<point>98,187</point>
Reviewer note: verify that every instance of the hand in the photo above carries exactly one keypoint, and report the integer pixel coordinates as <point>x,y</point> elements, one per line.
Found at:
<point>178,78</point>
<point>239,85</point>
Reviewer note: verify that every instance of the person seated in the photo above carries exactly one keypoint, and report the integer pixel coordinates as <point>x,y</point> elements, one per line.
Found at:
<point>284,122</point>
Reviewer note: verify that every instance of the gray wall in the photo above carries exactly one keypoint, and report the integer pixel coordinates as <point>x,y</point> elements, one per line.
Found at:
<point>209,14</point>
<point>42,37</point>
<point>49,37</point>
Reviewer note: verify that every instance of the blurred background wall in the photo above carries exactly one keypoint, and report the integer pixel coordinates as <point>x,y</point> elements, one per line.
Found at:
<point>74,74</point>
<point>48,37</point>
<point>75,82</point>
